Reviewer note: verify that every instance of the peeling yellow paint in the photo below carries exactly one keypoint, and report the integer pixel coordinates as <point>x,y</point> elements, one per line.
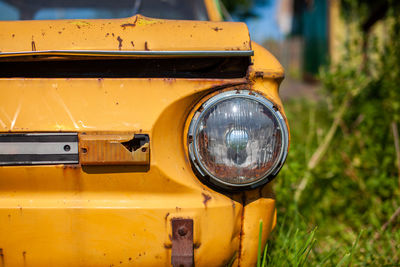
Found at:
<point>80,23</point>
<point>141,21</point>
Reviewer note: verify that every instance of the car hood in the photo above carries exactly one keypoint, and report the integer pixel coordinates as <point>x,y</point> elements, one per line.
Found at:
<point>127,35</point>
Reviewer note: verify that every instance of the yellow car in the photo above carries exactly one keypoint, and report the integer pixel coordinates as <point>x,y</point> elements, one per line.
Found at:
<point>130,140</point>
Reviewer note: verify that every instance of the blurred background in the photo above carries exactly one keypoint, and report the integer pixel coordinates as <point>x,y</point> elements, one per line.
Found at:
<point>339,193</point>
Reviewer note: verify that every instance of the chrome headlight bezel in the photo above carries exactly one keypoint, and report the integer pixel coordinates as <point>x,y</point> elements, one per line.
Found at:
<point>198,165</point>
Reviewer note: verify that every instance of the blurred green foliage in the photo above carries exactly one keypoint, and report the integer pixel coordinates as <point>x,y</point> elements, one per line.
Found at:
<point>354,190</point>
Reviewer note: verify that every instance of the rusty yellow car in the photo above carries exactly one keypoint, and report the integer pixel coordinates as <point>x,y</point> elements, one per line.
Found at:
<point>140,133</point>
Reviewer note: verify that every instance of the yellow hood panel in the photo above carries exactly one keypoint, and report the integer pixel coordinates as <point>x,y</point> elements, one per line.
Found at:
<point>137,33</point>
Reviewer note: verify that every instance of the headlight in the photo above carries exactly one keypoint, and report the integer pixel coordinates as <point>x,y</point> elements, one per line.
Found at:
<point>238,140</point>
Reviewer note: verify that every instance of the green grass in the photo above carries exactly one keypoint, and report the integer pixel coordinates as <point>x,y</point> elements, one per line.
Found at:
<point>350,194</point>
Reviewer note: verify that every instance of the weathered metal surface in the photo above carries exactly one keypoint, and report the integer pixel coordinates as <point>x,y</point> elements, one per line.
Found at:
<point>137,33</point>
<point>182,254</point>
<point>77,215</point>
<point>265,65</point>
<point>114,149</point>
<point>94,105</point>
<point>259,206</point>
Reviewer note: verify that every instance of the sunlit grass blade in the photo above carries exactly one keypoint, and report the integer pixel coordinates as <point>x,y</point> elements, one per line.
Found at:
<point>259,244</point>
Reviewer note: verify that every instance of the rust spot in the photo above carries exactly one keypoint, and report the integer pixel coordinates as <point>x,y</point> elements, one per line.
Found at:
<point>59,32</point>
<point>107,34</point>
<point>166,216</point>
<point>167,246</point>
<point>217,29</point>
<point>43,34</point>
<point>24,256</point>
<point>233,204</point>
<point>112,34</point>
<point>13,35</point>
<point>206,199</point>
<point>71,166</point>
<point>117,103</point>
<point>259,74</point>
<point>127,25</point>
<point>130,259</point>
<point>133,45</point>
<point>1,257</point>
<point>33,46</point>
<point>146,46</point>
<point>196,245</point>
<point>120,42</point>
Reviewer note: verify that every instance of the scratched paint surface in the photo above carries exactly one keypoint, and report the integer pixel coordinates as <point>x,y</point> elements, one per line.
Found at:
<point>93,104</point>
<point>137,33</point>
<point>79,214</point>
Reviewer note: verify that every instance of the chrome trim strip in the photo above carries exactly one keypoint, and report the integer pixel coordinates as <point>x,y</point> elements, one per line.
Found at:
<point>37,148</point>
<point>213,53</point>
<point>41,162</point>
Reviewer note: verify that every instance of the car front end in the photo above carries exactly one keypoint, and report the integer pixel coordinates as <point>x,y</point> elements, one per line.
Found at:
<point>152,145</point>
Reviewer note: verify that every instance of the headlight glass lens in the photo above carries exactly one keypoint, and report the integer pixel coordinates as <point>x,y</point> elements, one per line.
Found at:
<point>238,138</point>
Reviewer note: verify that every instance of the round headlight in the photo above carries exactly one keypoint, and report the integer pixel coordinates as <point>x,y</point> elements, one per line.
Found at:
<point>238,139</point>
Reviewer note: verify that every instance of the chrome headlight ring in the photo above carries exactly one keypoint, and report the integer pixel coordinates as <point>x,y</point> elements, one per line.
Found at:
<point>210,149</point>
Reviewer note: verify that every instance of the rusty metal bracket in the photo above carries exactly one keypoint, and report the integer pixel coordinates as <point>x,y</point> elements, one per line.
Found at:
<point>182,243</point>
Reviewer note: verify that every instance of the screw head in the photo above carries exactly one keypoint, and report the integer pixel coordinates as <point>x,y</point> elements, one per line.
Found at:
<point>182,231</point>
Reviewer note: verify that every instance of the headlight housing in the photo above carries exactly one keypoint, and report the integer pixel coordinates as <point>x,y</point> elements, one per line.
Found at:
<point>238,140</point>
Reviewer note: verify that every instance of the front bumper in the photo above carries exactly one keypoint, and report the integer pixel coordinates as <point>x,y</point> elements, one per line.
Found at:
<point>61,216</point>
